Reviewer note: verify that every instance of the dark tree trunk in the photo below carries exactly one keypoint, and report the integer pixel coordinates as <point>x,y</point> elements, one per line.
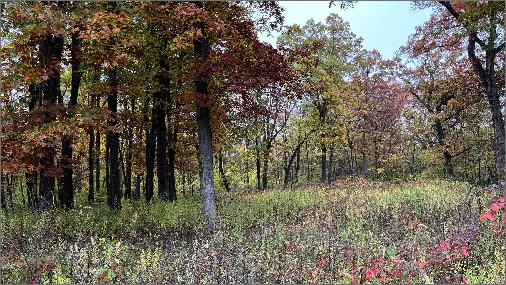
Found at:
<point>265,170</point>
<point>137,193</point>
<point>364,165</point>
<point>297,166</point>
<point>307,161</point>
<point>66,196</point>
<point>91,184</point>
<point>115,177</point>
<point>488,77</point>
<point>159,115</point>
<point>324,163</point>
<point>107,164</point>
<point>2,188</point>
<point>150,155</point>
<point>331,164</point>
<point>97,162</point>
<point>222,172</point>
<point>50,48</point>
<point>31,177</point>
<point>289,162</point>
<point>172,166</point>
<point>128,174</point>
<point>447,156</point>
<point>258,164</point>
<point>352,158</point>
<point>201,51</point>
<point>246,164</point>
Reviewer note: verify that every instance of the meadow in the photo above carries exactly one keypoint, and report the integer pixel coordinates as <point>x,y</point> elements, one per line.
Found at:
<point>349,232</point>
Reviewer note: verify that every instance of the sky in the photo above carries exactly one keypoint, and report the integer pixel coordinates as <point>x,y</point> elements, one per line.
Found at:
<point>383,25</point>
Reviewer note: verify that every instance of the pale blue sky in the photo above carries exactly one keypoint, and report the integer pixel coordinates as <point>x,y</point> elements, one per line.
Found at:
<point>384,25</point>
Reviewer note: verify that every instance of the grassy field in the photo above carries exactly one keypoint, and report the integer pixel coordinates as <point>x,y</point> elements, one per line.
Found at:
<point>359,232</point>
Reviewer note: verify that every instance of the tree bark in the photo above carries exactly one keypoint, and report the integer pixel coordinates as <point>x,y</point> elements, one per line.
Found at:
<point>330,166</point>
<point>91,184</point>
<point>265,170</point>
<point>114,168</point>
<point>201,51</point>
<point>172,165</point>
<point>222,172</point>
<point>364,165</point>
<point>159,115</point>
<point>66,196</point>
<point>447,156</point>
<point>50,48</point>
<point>258,164</point>
<point>150,155</point>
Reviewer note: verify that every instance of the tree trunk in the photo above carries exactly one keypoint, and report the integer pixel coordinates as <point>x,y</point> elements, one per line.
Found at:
<point>115,177</point>
<point>222,172</point>
<point>172,166</point>
<point>97,162</point>
<point>31,177</point>
<point>324,163</point>
<point>159,115</point>
<point>201,51</point>
<point>331,162</point>
<point>150,155</point>
<point>297,166</point>
<point>2,188</point>
<point>265,170</point>
<point>137,193</point>
<point>50,48</point>
<point>66,196</point>
<point>107,167</point>
<point>258,164</point>
<point>91,194</point>
<point>364,165</point>
<point>447,156</point>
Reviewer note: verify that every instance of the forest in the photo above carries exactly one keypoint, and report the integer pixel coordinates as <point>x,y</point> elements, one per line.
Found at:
<point>165,142</point>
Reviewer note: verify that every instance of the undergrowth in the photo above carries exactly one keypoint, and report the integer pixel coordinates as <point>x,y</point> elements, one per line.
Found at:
<point>358,232</point>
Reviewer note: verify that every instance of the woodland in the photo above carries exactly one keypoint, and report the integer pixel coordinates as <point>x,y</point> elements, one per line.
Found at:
<point>164,142</point>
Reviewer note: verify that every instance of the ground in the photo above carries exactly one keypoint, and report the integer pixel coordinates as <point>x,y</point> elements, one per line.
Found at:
<point>350,232</point>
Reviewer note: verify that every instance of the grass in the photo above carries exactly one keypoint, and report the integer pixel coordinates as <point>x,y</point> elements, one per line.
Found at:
<point>356,232</point>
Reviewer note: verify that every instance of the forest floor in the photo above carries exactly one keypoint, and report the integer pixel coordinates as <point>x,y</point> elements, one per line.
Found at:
<point>360,232</point>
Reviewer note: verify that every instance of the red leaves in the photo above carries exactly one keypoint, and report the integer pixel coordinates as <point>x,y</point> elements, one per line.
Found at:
<point>485,216</point>
<point>322,261</point>
<point>496,204</point>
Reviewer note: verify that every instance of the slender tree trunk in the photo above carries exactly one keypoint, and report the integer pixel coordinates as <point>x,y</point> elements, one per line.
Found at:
<point>159,116</point>
<point>66,196</point>
<point>364,165</point>
<point>31,176</point>
<point>265,170</point>
<point>297,166</point>
<point>137,193</point>
<point>201,51</point>
<point>150,155</point>
<point>324,163</point>
<point>258,164</point>
<point>114,168</point>
<point>2,188</point>
<point>107,168</point>
<point>222,172</point>
<point>172,165</point>
<point>91,193</point>
<point>246,164</point>
<point>331,162</point>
